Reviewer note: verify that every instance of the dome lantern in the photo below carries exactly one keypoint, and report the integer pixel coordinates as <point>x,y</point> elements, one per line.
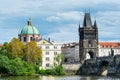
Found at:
<point>29,22</point>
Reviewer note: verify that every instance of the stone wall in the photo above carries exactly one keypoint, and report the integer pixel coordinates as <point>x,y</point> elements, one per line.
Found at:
<point>71,66</point>
<point>71,69</point>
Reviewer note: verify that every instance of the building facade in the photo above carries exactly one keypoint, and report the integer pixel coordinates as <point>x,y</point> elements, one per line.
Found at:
<point>105,48</point>
<point>88,39</point>
<point>50,49</point>
<point>71,52</point>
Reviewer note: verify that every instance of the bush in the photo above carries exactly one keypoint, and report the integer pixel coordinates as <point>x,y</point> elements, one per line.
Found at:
<point>58,70</point>
<point>15,66</point>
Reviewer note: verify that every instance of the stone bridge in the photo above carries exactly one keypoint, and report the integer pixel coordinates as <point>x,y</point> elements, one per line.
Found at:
<point>110,64</point>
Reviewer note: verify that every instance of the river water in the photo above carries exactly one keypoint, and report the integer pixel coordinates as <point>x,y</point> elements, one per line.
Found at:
<point>59,78</point>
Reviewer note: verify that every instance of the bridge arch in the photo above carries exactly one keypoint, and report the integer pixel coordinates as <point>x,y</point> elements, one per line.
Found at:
<point>104,63</point>
<point>90,55</point>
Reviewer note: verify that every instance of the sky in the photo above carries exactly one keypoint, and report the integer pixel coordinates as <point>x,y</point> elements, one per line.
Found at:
<point>59,19</point>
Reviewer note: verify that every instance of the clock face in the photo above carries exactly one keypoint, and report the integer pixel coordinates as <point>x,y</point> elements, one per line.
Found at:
<point>89,36</point>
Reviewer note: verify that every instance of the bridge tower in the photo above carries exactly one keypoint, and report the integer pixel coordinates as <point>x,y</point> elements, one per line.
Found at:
<point>88,39</point>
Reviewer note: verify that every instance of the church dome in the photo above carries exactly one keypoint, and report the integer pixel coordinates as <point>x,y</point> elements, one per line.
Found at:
<point>29,29</point>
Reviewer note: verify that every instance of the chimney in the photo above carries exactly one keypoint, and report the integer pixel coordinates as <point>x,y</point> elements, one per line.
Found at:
<point>48,39</point>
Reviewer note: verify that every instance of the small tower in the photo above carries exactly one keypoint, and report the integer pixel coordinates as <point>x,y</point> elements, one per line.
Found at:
<point>88,39</point>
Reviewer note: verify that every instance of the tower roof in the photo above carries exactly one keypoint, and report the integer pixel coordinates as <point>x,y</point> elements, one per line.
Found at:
<point>87,20</point>
<point>29,28</point>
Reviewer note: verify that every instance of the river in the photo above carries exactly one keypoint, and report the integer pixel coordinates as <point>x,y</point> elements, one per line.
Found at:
<point>59,78</point>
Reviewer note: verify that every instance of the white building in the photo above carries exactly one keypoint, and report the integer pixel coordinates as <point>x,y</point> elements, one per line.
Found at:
<point>106,47</point>
<point>49,52</point>
<point>49,49</point>
<point>71,50</point>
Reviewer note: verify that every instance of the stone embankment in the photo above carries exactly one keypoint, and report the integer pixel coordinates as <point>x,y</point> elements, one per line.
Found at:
<point>71,68</point>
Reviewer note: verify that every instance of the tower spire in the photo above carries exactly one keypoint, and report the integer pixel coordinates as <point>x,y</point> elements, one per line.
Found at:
<point>79,28</point>
<point>87,20</point>
<point>95,23</point>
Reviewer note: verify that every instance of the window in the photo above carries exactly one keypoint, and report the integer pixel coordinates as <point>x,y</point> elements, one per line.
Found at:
<point>47,53</point>
<point>55,47</point>
<point>47,47</point>
<point>110,46</point>
<point>36,38</point>
<point>89,43</point>
<point>47,59</point>
<point>40,47</point>
<point>103,46</point>
<point>31,38</point>
<point>54,58</point>
<point>55,53</point>
<point>106,46</point>
<point>24,39</point>
<point>47,65</point>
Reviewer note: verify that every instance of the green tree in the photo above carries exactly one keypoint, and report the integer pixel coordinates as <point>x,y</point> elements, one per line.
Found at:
<point>33,53</point>
<point>14,49</point>
<point>59,59</point>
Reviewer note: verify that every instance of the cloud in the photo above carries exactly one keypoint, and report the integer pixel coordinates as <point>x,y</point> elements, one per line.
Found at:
<point>66,16</point>
<point>65,33</point>
<point>108,24</point>
<point>58,17</point>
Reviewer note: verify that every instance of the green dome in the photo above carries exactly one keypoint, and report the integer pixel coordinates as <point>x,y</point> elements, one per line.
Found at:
<point>29,29</point>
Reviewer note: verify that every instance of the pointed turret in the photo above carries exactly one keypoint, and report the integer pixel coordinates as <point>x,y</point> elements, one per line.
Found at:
<point>87,20</point>
<point>95,24</point>
<point>79,28</point>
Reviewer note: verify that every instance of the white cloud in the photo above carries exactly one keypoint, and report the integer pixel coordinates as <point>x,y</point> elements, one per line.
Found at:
<point>108,24</point>
<point>106,12</point>
<point>66,16</point>
<point>64,34</point>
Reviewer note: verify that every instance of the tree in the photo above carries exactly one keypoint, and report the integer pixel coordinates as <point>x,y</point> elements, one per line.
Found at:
<point>33,54</point>
<point>59,59</point>
<point>14,49</point>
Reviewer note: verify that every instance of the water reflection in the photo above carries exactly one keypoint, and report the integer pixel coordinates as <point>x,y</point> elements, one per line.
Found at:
<point>59,78</point>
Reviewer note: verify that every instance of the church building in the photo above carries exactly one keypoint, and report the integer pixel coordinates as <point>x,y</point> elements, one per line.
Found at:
<point>50,49</point>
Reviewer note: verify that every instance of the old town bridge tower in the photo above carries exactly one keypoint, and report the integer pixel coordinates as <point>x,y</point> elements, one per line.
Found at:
<point>88,39</point>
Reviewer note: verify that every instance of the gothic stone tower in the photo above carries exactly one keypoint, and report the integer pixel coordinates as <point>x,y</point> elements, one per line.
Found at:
<point>88,39</point>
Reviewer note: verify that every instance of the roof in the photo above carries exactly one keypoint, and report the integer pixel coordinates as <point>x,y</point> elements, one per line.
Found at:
<point>109,44</point>
<point>87,20</point>
<point>29,29</point>
<point>70,45</point>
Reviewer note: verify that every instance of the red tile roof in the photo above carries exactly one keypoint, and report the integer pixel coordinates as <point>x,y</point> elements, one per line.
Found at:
<point>109,44</point>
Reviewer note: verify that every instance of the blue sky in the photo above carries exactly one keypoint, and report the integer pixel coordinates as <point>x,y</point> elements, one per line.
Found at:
<point>59,19</point>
